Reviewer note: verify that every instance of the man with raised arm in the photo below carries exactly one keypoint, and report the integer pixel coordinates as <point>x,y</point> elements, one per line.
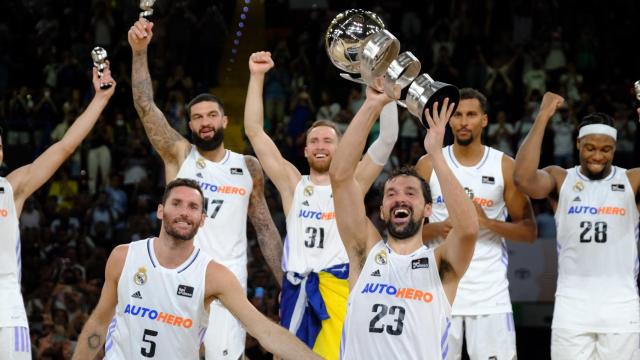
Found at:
<point>482,311</point>
<point>401,291</point>
<point>597,309</point>
<point>14,190</point>
<point>233,185</point>
<point>157,292</point>
<point>315,291</point>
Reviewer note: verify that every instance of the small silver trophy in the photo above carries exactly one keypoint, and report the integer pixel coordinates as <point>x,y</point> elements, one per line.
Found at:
<point>147,8</point>
<point>636,86</point>
<point>99,56</point>
<point>357,42</point>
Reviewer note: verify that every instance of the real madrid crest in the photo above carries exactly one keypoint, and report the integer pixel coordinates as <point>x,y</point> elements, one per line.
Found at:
<point>140,278</point>
<point>381,257</point>
<point>200,164</point>
<point>578,186</point>
<point>308,190</point>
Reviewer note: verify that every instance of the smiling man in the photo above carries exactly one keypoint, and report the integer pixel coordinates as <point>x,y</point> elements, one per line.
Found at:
<point>597,310</point>
<point>315,290</point>
<point>157,293</point>
<point>233,185</point>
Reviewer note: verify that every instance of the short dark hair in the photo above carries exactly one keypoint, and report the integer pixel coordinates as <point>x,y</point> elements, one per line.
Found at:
<point>469,93</point>
<point>596,118</point>
<point>408,170</point>
<point>190,183</point>
<point>202,98</point>
<point>327,123</point>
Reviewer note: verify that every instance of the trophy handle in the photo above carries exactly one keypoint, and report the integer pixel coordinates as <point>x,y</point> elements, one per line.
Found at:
<point>352,78</point>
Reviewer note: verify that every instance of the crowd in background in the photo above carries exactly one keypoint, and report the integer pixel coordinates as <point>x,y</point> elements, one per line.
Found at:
<point>107,193</point>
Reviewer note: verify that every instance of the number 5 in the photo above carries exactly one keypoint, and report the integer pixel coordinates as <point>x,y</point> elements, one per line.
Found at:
<point>152,345</point>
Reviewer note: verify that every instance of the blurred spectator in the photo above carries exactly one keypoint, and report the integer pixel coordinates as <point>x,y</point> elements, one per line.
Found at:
<point>501,134</point>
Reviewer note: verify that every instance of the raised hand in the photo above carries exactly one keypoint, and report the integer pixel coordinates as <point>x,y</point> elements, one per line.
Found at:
<point>437,125</point>
<point>260,62</point>
<point>105,79</point>
<point>551,102</point>
<point>140,34</point>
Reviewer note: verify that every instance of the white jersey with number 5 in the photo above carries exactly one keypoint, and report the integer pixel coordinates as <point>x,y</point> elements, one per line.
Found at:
<point>397,309</point>
<point>313,242</point>
<point>160,312</point>
<point>597,225</point>
<point>227,187</point>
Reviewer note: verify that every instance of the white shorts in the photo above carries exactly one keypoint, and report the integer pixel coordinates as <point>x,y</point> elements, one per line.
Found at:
<point>225,337</point>
<point>491,337</point>
<point>575,344</point>
<point>15,343</point>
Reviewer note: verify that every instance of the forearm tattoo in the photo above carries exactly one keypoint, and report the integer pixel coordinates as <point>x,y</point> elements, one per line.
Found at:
<point>94,340</point>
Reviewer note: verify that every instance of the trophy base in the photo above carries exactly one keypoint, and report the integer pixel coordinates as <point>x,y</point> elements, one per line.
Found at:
<point>446,91</point>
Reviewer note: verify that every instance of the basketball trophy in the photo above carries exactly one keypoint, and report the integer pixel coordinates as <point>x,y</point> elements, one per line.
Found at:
<point>358,44</point>
<point>147,8</point>
<point>99,57</point>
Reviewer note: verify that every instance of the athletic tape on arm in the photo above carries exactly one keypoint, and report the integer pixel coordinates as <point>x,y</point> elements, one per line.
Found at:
<point>380,150</point>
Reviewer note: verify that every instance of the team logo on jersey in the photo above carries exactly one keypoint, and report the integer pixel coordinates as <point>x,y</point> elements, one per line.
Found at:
<point>308,190</point>
<point>186,291</point>
<point>199,175</point>
<point>578,186</point>
<point>376,273</point>
<point>617,187</point>
<point>305,203</point>
<point>577,198</point>
<point>140,278</point>
<point>136,295</point>
<point>200,164</point>
<point>236,171</point>
<point>488,180</point>
<point>422,263</point>
<point>381,257</point>
<point>469,192</point>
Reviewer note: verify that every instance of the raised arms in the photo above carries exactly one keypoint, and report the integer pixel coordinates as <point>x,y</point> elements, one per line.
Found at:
<point>260,217</point>
<point>222,284</point>
<point>93,335</point>
<point>169,144</point>
<point>536,183</point>
<point>28,178</point>
<point>356,231</point>
<point>457,249</point>
<point>281,172</point>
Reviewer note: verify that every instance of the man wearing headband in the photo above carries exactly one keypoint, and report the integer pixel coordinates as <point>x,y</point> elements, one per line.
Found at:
<point>597,310</point>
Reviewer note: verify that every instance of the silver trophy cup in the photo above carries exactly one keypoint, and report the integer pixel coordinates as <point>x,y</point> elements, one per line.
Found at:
<point>99,57</point>
<point>357,42</point>
<point>147,8</point>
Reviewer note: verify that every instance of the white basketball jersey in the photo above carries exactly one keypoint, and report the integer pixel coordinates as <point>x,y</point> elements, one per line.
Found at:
<point>160,312</point>
<point>12,311</point>
<point>484,288</point>
<point>227,187</point>
<point>597,223</point>
<point>397,309</point>
<point>312,242</point>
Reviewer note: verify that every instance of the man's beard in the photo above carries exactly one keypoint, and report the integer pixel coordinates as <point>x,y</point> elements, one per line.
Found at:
<point>319,166</point>
<point>596,176</point>
<point>178,235</point>
<point>211,144</point>
<point>410,229</point>
<point>464,142</point>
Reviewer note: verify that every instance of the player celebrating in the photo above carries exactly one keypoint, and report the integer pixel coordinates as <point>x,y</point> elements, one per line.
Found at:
<point>315,261</point>
<point>161,288</point>
<point>14,190</point>
<point>233,185</point>
<point>597,310</point>
<point>482,307</point>
<point>401,290</point>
